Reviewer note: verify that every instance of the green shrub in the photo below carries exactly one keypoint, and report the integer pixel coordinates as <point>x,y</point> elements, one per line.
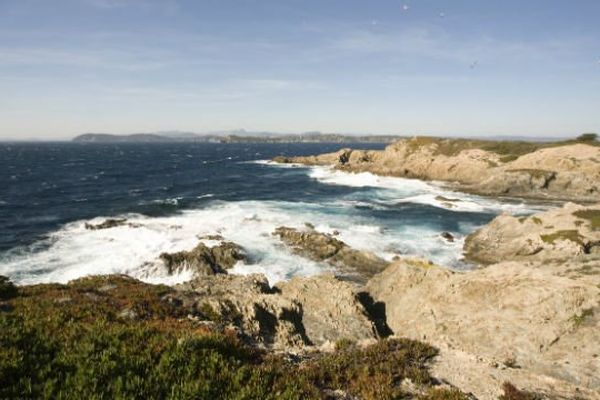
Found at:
<point>592,216</point>
<point>69,342</point>
<point>7,289</point>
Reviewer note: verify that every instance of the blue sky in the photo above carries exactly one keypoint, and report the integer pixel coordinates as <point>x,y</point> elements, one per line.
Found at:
<point>461,67</point>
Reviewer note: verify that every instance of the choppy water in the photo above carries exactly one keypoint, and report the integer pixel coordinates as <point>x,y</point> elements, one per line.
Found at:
<point>176,192</point>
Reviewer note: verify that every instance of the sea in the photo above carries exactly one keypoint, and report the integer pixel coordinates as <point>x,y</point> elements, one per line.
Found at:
<point>174,193</point>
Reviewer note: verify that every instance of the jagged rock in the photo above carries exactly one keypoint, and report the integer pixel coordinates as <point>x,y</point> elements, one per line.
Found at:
<point>249,303</point>
<point>331,309</point>
<point>324,247</point>
<point>536,315</point>
<point>204,260</point>
<point>294,314</point>
<point>110,223</point>
<point>561,233</point>
<point>448,236</point>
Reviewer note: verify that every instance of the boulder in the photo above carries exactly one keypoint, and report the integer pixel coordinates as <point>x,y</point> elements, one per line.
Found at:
<point>324,247</point>
<point>331,309</point>
<point>204,260</point>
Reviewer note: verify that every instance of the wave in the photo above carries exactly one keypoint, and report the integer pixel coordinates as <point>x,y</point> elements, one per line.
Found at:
<point>74,251</point>
<point>397,190</point>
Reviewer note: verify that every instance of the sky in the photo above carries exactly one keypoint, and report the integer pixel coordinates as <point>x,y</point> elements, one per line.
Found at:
<point>422,67</point>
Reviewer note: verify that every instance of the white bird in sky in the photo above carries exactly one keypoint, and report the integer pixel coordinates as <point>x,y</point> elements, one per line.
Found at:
<point>405,7</point>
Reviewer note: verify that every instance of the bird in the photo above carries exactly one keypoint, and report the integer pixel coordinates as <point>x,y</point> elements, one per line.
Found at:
<point>442,15</point>
<point>474,64</point>
<point>405,7</point>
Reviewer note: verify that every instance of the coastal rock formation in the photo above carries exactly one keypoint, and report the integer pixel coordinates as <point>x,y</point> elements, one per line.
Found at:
<point>331,309</point>
<point>564,171</point>
<point>542,322</point>
<point>301,312</point>
<point>110,223</point>
<point>320,246</point>
<point>564,233</point>
<point>204,260</point>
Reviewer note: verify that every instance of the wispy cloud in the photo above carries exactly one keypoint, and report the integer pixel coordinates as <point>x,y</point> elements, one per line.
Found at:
<point>128,60</point>
<point>167,5</point>
<point>436,44</point>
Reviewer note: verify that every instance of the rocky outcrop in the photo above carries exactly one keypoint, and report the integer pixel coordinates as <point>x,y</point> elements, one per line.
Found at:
<point>540,323</point>
<point>331,309</point>
<point>550,171</point>
<point>572,231</point>
<point>302,312</point>
<point>110,223</point>
<point>204,260</point>
<point>320,246</point>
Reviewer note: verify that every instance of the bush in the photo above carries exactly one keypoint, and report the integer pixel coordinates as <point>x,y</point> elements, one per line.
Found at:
<point>7,289</point>
<point>70,342</point>
<point>587,137</point>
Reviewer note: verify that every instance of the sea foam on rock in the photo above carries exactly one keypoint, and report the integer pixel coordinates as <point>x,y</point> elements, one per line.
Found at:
<point>325,247</point>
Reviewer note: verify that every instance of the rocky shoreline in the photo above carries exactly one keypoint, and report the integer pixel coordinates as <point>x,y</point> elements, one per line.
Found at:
<point>531,316</point>
<point>568,171</point>
<point>525,324</point>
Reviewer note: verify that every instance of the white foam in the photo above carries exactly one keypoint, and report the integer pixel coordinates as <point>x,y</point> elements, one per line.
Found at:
<point>403,190</point>
<point>74,251</point>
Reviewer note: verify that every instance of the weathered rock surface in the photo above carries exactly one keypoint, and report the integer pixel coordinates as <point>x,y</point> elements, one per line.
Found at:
<point>567,172</point>
<point>572,231</point>
<point>544,320</point>
<point>331,309</point>
<point>204,260</point>
<point>320,246</point>
<point>298,313</point>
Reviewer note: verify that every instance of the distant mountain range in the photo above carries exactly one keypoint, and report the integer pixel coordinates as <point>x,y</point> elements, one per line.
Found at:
<point>236,136</point>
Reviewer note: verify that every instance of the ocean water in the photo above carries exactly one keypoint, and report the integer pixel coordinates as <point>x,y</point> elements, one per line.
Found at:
<point>175,193</point>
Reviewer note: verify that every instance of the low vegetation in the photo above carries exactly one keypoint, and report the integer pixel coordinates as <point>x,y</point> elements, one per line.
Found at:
<point>572,235</point>
<point>117,338</point>
<point>508,150</point>
<point>592,216</point>
<point>512,393</point>
<point>580,319</point>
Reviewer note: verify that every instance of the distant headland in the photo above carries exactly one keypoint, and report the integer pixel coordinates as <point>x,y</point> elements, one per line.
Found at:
<point>235,136</point>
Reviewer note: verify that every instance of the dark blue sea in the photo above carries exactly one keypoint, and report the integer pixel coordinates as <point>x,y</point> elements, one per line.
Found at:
<point>173,194</point>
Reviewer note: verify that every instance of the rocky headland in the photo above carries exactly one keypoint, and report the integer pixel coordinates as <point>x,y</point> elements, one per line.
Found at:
<point>556,171</point>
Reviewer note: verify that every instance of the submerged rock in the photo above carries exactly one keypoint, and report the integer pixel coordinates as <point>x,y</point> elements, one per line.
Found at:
<point>204,260</point>
<point>324,247</point>
<point>110,223</point>
<point>448,236</point>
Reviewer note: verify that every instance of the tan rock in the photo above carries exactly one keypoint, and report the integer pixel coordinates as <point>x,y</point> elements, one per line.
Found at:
<point>294,315</point>
<point>562,233</point>
<point>567,172</point>
<point>538,319</point>
<point>331,309</point>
